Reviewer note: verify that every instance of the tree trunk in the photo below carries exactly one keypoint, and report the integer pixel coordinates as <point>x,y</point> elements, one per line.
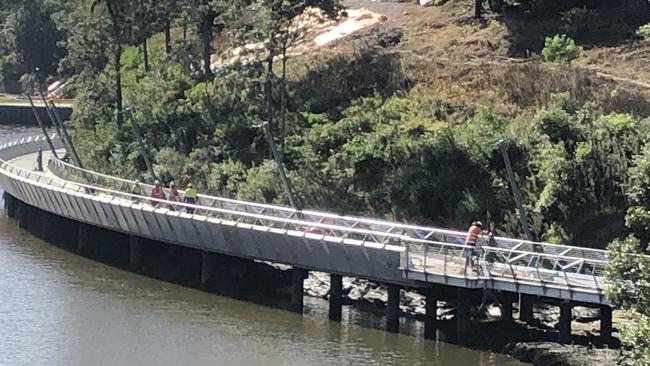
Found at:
<point>206,40</point>
<point>478,4</point>
<point>145,55</point>
<point>168,37</point>
<point>269,95</point>
<point>283,97</point>
<point>117,64</point>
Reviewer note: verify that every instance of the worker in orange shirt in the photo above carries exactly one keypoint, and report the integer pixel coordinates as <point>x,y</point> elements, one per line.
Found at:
<point>158,193</point>
<point>173,195</point>
<point>473,233</point>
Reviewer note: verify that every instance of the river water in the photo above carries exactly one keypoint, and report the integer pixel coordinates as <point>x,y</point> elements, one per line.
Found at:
<point>57,308</point>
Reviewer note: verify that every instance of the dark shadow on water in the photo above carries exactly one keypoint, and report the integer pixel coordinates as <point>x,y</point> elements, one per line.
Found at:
<point>262,284</point>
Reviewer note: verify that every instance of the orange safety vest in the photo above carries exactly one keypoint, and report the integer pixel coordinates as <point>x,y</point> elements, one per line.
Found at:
<point>472,235</point>
<point>173,194</point>
<point>157,192</point>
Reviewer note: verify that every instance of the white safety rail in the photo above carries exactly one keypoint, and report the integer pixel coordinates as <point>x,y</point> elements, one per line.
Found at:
<point>425,254</point>
<point>314,218</point>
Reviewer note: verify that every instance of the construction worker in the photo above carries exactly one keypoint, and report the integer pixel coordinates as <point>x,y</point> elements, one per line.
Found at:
<point>173,195</point>
<point>471,239</point>
<point>136,190</point>
<point>39,161</point>
<point>158,193</point>
<point>191,197</point>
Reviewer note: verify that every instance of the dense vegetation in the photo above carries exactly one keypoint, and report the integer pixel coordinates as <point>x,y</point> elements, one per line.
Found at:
<point>358,132</point>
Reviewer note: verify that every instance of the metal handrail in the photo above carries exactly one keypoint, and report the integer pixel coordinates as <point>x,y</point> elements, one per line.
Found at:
<point>342,231</point>
<point>317,216</point>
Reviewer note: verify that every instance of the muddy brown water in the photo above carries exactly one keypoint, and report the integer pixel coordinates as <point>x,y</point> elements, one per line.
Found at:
<point>57,308</point>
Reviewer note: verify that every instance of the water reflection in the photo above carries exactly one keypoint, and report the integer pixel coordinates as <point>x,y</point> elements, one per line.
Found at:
<point>57,308</point>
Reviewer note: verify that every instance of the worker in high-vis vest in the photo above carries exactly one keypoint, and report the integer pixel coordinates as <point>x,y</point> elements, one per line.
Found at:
<point>191,197</point>
<point>473,233</point>
<point>136,190</point>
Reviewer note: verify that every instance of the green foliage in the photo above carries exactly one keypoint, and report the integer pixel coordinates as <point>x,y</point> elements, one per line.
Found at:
<point>644,31</point>
<point>629,274</point>
<point>638,215</point>
<point>29,42</point>
<point>560,49</point>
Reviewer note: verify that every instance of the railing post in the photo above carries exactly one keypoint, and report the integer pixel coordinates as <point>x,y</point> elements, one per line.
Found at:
<point>444,268</point>
<point>424,261</point>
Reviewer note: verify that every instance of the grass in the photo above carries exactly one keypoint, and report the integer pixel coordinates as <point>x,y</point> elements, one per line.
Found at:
<point>19,100</point>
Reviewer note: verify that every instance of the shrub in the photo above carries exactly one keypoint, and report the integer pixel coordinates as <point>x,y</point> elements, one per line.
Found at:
<point>644,31</point>
<point>560,49</point>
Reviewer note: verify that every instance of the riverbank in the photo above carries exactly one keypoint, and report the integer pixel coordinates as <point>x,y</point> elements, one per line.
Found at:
<point>532,343</point>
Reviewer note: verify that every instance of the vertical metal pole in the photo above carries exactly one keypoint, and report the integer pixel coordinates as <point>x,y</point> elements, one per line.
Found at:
<point>66,135</point>
<point>40,123</point>
<point>51,117</point>
<point>138,137</point>
<point>278,160</point>
<point>515,190</point>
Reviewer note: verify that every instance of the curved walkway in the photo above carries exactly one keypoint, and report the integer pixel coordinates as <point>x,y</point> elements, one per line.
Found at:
<point>367,248</point>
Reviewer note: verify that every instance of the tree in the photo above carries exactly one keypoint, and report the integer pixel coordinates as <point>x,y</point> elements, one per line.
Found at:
<point>628,271</point>
<point>165,12</point>
<point>277,21</point>
<point>143,27</point>
<point>37,38</point>
<point>560,49</point>
<point>116,10</point>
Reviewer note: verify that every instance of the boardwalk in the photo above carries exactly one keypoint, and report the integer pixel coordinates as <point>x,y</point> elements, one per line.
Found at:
<point>397,254</point>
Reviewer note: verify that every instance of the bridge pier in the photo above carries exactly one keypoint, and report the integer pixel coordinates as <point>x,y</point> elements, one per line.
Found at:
<point>605,324</point>
<point>336,297</point>
<point>564,325</point>
<point>430,314</point>
<point>208,266</point>
<point>23,215</point>
<point>83,238</point>
<point>392,309</point>
<point>463,307</point>
<point>11,204</point>
<point>297,289</point>
<point>506,308</point>
<point>48,226</point>
<point>135,253</point>
<point>526,303</point>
